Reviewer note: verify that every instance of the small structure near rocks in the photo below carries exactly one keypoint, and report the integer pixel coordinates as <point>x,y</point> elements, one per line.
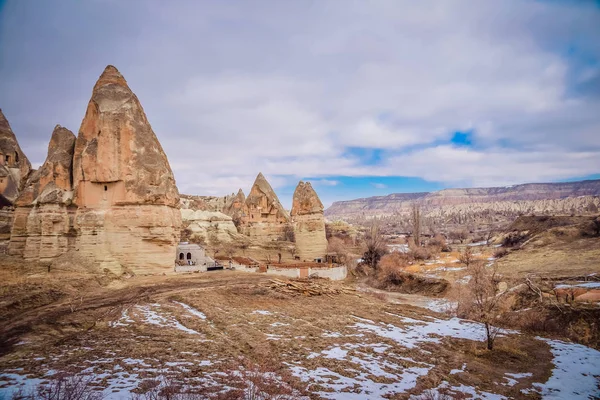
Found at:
<point>192,258</point>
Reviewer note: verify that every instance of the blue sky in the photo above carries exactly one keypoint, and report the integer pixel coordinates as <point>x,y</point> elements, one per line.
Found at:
<point>362,98</point>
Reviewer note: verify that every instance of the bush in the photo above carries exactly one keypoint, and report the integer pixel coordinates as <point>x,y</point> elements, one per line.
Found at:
<point>501,252</point>
<point>514,239</point>
<point>421,253</point>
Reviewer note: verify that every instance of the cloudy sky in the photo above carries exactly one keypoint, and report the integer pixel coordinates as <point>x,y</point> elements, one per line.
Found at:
<point>360,97</point>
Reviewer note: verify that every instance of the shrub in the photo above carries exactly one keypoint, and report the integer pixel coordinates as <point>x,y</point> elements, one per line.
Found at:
<point>514,239</point>
<point>501,252</point>
<point>421,253</point>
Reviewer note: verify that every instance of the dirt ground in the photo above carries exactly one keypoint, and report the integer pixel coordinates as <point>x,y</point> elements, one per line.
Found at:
<point>193,327</point>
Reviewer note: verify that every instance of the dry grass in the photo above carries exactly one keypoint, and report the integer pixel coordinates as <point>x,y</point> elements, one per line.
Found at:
<point>242,320</point>
<point>555,247</point>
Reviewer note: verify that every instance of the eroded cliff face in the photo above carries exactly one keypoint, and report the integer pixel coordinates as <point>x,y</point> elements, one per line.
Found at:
<point>264,217</point>
<point>43,220</point>
<point>14,165</point>
<point>128,204</point>
<point>108,197</point>
<point>308,222</point>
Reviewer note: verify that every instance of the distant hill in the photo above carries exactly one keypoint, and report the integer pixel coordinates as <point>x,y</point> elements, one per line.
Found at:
<point>549,198</point>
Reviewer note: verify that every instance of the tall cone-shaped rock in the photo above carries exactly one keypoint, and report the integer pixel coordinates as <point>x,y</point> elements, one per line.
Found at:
<point>43,215</point>
<point>128,215</point>
<point>265,216</point>
<point>14,165</point>
<point>309,224</point>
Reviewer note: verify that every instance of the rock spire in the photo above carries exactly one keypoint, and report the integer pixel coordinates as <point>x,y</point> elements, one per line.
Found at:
<point>14,165</point>
<point>128,204</point>
<point>265,216</point>
<point>308,222</point>
<point>43,219</point>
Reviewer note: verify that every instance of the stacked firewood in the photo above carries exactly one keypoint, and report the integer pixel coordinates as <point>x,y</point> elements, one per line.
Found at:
<point>309,287</point>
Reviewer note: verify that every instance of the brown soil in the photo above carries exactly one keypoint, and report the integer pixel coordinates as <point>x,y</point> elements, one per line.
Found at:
<point>73,322</point>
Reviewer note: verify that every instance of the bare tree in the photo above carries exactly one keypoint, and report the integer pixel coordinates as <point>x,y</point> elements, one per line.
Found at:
<point>482,299</point>
<point>416,224</point>
<point>292,250</point>
<point>338,246</point>
<point>460,235</point>
<point>229,249</point>
<point>489,235</point>
<point>375,247</point>
<point>466,257</point>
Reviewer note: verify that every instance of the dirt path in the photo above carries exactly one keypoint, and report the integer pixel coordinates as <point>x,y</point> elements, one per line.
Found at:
<point>430,303</point>
<point>107,299</point>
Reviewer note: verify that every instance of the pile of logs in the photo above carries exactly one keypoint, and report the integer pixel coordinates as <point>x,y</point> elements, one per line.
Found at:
<point>308,287</point>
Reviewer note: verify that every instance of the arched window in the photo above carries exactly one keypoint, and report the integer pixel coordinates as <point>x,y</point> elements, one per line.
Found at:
<point>189,256</point>
<point>181,256</point>
<point>16,157</point>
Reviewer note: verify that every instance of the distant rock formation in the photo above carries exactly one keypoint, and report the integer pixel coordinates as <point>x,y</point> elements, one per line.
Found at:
<point>309,224</point>
<point>477,205</point>
<point>43,221</point>
<point>109,194</point>
<point>128,203</point>
<point>265,218</point>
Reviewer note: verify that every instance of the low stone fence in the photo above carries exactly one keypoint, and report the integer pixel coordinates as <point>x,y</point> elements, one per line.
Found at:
<point>190,268</point>
<point>334,273</point>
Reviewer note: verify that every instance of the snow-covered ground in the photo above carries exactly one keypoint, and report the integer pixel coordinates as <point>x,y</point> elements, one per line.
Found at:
<point>379,359</point>
<point>586,285</point>
<point>576,374</point>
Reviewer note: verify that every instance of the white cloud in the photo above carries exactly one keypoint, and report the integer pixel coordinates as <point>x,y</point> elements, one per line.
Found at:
<point>377,185</point>
<point>324,182</point>
<point>284,87</point>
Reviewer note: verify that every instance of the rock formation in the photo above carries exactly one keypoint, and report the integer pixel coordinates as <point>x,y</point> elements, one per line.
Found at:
<point>128,204</point>
<point>205,203</point>
<point>478,204</point>
<point>108,194</point>
<point>43,221</point>
<point>309,224</point>
<point>236,207</point>
<point>265,218</point>
<point>14,170</point>
<point>14,165</point>
<point>209,225</point>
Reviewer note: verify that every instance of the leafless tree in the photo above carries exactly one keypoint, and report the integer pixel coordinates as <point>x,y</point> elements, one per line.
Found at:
<point>375,247</point>
<point>339,248</point>
<point>489,235</point>
<point>466,257</point>
<point>482,300</point>
<point>460,235</point>
<point>416,224</point>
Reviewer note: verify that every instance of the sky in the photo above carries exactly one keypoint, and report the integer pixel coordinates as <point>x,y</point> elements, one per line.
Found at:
<point>361,98</point>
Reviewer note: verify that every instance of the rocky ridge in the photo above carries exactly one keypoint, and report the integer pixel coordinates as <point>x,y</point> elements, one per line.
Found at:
<point>456,205</point>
